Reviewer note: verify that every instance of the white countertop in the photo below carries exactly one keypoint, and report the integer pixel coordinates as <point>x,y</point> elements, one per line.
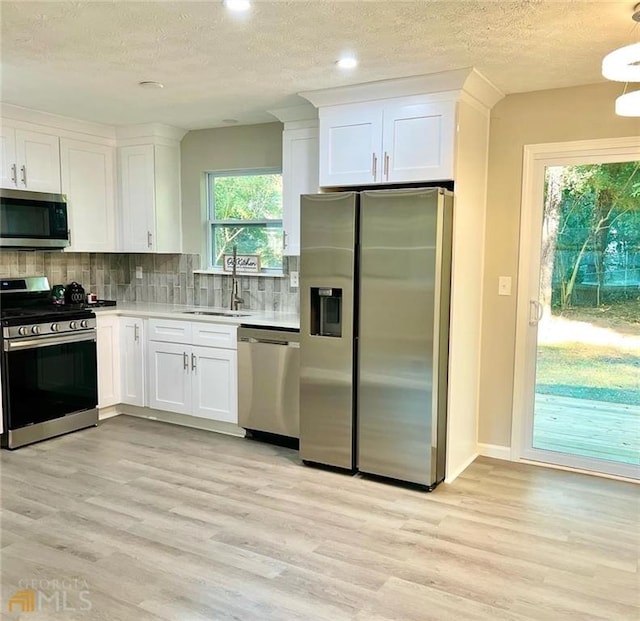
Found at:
<point>176,311</point>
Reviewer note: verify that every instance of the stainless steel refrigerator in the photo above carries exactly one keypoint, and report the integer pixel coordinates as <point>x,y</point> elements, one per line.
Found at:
<point>375,274</point>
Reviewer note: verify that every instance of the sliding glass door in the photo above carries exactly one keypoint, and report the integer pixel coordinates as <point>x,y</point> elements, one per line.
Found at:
<point>579,313</point>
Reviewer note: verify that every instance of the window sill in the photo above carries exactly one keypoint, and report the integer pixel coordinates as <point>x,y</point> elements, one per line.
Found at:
<point>242,274</point>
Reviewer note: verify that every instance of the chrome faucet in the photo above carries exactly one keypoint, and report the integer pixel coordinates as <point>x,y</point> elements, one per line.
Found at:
<point>235,299</point>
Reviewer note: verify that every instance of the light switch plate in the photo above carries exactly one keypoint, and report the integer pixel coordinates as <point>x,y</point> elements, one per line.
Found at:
<point>294,280</point>
<point>139,272</point>
<point>504,285</point>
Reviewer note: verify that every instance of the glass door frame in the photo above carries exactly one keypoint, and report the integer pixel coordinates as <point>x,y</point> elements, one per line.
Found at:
<point>536,159</point>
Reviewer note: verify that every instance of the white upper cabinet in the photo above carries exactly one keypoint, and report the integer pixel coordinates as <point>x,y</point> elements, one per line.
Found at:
<point>137,197</point>
<point>299,176</point>
<point>418,141</point>
<point>30,160</point>
<point>38,157</point>
<point>88,180</point>
<point>350,144</point>
<point>8,162</point>
<point>150,198</point>
<point>389,141</point>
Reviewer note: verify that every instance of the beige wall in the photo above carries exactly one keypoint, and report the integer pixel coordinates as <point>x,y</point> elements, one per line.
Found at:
<point>559,115</point>
<point>226,148</point>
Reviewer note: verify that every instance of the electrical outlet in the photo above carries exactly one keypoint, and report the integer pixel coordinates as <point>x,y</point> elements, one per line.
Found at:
<point>294,280</point>
<point>504,285</point>
<point>139,272</point>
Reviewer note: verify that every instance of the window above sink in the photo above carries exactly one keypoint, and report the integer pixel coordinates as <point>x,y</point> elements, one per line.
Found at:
<point>245,209</point>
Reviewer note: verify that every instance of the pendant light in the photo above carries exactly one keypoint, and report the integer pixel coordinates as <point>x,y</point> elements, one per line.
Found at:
<point>623,65</point>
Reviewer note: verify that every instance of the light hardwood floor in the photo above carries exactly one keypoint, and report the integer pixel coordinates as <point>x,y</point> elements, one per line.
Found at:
<point>170,523</point>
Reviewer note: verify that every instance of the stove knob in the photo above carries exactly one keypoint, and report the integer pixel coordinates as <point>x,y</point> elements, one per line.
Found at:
<point>84,324</point>
<point>73,325</point>
<point>55,327</point>
<point>35,330</point>
<point>22,331</point>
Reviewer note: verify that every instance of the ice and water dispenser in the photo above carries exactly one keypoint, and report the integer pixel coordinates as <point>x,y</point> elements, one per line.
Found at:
<point>326,311</point>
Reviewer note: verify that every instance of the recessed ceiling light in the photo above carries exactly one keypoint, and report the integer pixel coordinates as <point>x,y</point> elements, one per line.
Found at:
<point>150,84</point>
<point>230,121</point>
<point>347,62</point>
<point>237,5</point>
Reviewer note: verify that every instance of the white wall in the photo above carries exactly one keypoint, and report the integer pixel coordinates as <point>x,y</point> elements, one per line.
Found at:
<point>225,148</point>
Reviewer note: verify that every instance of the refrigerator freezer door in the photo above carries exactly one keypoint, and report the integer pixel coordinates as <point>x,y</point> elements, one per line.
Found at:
<point>328,234</point>
<point>399,344</point>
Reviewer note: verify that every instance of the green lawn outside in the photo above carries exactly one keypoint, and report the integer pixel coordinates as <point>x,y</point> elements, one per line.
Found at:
<point>587,371</point>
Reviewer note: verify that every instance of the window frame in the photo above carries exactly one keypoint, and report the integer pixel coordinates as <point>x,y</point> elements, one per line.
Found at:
<point>211,222</point>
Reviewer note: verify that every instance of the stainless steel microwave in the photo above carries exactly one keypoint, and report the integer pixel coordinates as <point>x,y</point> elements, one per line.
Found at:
<point>33,220</point>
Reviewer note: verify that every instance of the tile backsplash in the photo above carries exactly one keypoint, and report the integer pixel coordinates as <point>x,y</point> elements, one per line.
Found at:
<point>166,278</point>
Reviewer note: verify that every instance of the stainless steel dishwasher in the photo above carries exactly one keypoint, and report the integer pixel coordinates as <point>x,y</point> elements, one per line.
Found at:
<point>268,380</point>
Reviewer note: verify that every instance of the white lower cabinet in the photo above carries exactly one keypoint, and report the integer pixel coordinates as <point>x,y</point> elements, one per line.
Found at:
<point>132,364</point>
<point>108,346</point>
<point>169,379</point>
<point>187,378</point>
<point>213,384</point>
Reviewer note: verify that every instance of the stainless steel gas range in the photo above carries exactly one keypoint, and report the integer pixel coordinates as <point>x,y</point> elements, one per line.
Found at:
<point>49,364</point>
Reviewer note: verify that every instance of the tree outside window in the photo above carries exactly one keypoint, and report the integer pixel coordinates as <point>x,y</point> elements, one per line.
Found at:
<point>245,210</point>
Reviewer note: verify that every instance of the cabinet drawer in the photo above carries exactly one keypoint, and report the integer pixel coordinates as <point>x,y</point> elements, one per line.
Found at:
<point>214,335</point>
<point>170,331</point>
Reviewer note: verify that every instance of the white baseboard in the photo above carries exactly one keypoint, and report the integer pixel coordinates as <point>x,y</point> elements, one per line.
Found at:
<point>109,412</point>
<point>452,476</point>
<point>497,451</point>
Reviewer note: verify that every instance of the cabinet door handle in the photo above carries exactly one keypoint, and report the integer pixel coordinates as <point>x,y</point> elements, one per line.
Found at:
<point>149,239</point>
<point>374,166</point>
<point>23,173</point>
<point>194,362</point>
<point>69,236</point>
<point>185,361</point>
<point>136,333</point>
<point>386,165</point>
<point>14,173</point>
<point>284,240</point>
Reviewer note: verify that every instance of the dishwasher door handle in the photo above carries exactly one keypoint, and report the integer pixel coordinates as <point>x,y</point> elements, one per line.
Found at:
<point>250,339</point>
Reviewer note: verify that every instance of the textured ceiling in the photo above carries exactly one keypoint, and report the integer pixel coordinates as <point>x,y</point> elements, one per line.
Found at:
<point>84,59</point>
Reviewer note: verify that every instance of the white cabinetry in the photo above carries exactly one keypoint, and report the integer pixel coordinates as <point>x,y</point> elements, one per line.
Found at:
<point>150,198</point>
<point>108,345</point>
<point>213,390</point>
<point>132,365</point>
<point>299,176</point>
<point>88,180</point>
<point>30,160</point>
<point>8,163</point>
<point>350,143</point>
<point>169,379</point>
<point>188,377</point>
<point>390,141</point>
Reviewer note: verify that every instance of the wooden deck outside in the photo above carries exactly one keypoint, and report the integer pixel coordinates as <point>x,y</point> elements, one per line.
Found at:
<point>588,428</point>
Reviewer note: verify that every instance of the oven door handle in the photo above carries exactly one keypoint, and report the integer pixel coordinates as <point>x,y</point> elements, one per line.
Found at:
<point>49,341</point>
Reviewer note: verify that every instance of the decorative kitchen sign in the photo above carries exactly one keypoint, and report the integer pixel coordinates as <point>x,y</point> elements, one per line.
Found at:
<point>247,263</point>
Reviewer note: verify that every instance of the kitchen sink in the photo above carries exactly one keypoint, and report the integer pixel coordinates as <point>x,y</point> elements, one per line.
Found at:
<point>215,313</point>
